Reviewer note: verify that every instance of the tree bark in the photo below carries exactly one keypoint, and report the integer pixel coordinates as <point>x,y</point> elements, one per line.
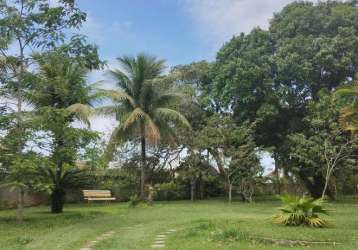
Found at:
<point>192,189</point>
<point>143,167</point>
<point>57,200</point>
<point>202,188</point>
<point>230,192</point>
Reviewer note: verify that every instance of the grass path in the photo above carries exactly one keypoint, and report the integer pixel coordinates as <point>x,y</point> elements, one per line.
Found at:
<point>200,225</point>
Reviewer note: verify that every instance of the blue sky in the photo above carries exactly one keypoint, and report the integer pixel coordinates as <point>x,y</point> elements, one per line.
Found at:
<point>161,27</point>
<point>180,31</point>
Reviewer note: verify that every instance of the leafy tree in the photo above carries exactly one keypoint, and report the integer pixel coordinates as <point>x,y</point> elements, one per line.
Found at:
<point>231,148</point>
<point>349,114</point>
<point>29,25</point>
<point>24,176</point>
<point>194,168</point>
<point>144,109</point>
<point>61,96</point>
<point>271,77</point>
<point>323,148</point>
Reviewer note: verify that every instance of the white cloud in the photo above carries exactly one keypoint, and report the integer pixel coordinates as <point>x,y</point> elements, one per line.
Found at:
<point>54,3</point>
<point>100,32</point>
<point>218,21</point>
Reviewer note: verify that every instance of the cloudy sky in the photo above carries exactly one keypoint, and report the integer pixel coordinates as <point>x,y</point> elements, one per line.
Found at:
<point>180,31</point>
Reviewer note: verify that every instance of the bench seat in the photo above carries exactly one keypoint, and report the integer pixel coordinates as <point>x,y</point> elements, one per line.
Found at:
<point>101,199</point>
<point>98,195</point>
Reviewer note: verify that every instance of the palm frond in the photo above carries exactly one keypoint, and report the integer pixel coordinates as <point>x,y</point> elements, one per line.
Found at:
<point>117,137</point>
<point>172,115</point>
<point>346,91</point>
<point>82,112</point>
<point>117,96</point>
<point>152,132</point>
<point>122,80</point>
<point>168,99</point>
<point>109,110</point>
<point>135,116</point>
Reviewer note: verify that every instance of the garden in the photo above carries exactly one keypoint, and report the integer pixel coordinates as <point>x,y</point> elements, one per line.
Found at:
<point>254,149</point>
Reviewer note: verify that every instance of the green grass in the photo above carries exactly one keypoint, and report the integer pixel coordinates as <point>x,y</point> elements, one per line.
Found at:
<point>200,225</point>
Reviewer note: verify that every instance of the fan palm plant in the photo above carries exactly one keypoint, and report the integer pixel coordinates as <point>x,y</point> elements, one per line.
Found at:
<point>301,211</point>
<point>349,114</point>
<point>145,111</point>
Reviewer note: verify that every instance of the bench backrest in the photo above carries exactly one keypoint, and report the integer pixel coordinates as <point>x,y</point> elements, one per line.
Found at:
<point>97,193</point>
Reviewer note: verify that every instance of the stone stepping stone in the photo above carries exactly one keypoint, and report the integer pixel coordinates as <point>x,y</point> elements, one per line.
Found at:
<point>158,246</point>
<point>99,238</point>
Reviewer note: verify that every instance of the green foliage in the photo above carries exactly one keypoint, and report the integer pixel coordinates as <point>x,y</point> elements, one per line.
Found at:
<point>134,201</point>
<point>272,78</point>
<point>170,191</point>
<point>301,211</point>
<point>349,114</point>
<point>143,108</point>
<point>25,174</point>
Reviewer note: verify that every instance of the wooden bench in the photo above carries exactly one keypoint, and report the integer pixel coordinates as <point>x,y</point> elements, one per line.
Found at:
<point>97,195</point>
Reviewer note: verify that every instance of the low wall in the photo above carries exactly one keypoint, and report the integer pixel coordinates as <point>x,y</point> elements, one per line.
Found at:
<point>8,198</point>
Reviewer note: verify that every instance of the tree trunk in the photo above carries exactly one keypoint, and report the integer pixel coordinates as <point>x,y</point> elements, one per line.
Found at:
<point>328,176</point>
<point>202,189</point>
<point>57,200</point>
<point>192,189</point>
<point>315,185</point>
<point>278,181</point>
<point>20,207</point>
<point>143,167</point>
<point>230,192</point>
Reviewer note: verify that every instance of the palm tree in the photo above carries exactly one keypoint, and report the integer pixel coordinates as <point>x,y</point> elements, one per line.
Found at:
<point>349,115</point>
<point>144,110</point>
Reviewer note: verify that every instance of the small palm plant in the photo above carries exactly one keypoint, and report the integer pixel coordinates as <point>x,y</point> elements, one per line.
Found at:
<point>301,211</point>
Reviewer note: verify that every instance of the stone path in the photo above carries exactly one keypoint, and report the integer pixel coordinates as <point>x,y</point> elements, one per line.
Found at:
<point>91,244</point>
<point>160,239</point>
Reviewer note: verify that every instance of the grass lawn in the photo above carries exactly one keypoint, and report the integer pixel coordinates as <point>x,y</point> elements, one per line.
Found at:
<point>200,225</point>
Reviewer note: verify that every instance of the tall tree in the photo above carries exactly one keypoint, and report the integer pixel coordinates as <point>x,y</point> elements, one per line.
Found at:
<point>61,96</point>
<point>144,109</point>
<point>27,26</point>
<point>271,77</point>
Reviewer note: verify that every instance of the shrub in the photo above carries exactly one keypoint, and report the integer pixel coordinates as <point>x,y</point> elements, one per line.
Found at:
<point>299,211</point>
<point>171,191</point>
<point>134,201</point>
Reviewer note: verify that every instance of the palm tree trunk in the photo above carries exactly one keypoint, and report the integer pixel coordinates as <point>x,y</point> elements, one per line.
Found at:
<point>143,167</point>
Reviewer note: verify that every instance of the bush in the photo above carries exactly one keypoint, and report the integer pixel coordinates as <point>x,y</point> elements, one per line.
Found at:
<point>171,191</point>
<point>134,201</point>
<point>301,211</point>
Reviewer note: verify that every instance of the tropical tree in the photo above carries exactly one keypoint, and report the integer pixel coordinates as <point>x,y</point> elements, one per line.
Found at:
<point>29,25</point>
<point>144,107</point>
<point>60,96</point>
